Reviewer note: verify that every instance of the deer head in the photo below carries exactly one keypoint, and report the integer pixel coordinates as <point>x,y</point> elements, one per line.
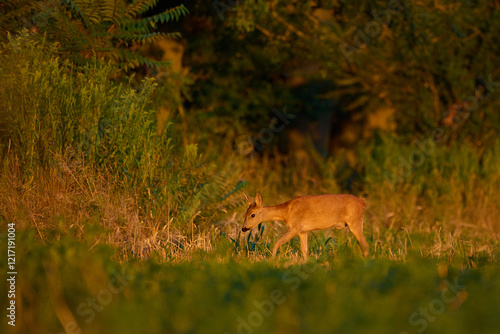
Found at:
<point>253,216</point>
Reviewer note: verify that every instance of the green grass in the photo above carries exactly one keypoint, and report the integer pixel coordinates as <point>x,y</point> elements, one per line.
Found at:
<point>225,290</point>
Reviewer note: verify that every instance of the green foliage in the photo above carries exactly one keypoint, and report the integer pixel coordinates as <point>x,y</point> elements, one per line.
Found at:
<point>50,108</point>
<point>107,29</point>
<point>217,293</point>
<point>51,112</point>
<point>204,192</point>
<point>423,60</point>
<point>429,179</point>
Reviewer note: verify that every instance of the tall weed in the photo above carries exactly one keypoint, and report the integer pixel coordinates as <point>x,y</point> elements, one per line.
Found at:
<point>79,135</point>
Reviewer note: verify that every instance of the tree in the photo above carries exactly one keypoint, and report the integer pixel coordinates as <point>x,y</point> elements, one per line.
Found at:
<point>109,30</point>
<point>416,58</point>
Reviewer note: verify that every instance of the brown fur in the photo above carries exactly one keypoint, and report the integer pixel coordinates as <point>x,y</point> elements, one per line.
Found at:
<point>309,213</point>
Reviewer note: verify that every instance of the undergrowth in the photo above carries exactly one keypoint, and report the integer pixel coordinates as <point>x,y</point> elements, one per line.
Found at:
<point>77,146</point>
<point>80,149</point>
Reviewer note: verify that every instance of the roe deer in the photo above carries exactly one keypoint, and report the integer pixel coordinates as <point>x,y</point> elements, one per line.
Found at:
<point>309,213</point>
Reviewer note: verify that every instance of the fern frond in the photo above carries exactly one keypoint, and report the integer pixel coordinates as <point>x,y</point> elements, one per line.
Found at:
<point>108,10</point>
<point>166,16</point>
<point>140,7</point>
<point>172,35</point>
<point>109,29</point>
<point>78,13</point>
<point>133,60</point>
<point>142,39</point>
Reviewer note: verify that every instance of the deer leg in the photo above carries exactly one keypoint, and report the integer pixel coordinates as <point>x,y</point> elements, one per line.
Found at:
<point>284,238</point>
<point>303,244</point>
<point>357,230</point>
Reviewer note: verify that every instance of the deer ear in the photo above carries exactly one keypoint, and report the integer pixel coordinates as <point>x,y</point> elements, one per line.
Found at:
<point>258,199</point>
<point>249,200</point>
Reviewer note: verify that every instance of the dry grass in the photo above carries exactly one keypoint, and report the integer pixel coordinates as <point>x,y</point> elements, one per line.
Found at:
<point>72,198</point>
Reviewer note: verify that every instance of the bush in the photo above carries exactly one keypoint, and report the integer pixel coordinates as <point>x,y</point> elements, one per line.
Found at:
<point>55,116</point>
<point>425,184</point>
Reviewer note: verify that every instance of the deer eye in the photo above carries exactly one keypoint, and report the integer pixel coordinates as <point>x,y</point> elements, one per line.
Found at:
<point>253,215</point>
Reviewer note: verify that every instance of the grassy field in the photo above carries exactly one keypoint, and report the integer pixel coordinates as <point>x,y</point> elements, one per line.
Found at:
<point>121,229</point>
<point>411,283</point>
